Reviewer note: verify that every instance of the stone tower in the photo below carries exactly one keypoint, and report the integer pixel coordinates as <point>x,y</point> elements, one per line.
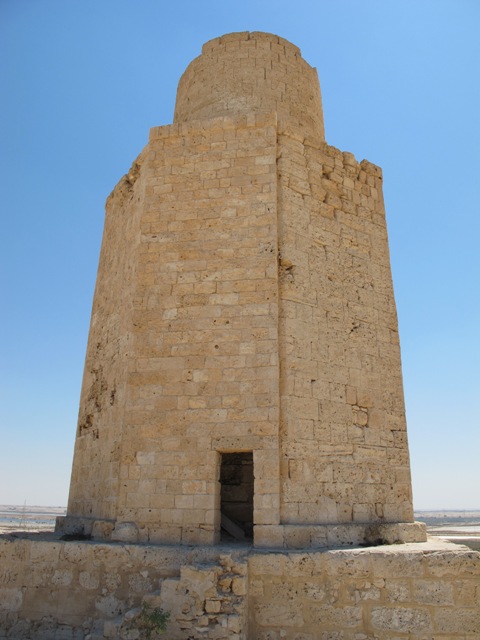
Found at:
<point>243,372</point>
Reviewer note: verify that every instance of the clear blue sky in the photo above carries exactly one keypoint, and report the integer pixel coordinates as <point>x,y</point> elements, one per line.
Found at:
<point>82,82</point>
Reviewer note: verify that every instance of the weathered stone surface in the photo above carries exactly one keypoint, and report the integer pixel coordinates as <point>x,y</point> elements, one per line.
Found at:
<point>382,593</point>
<point>98,589</point>
<point>125,532</point>
<point>10,599</point>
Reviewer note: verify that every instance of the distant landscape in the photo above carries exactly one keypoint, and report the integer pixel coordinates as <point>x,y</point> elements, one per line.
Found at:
<point>16,518</point>
<point>461,527</point>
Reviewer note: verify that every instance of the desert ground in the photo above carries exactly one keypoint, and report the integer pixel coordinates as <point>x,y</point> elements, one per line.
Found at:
<point>461,527</point>
<point>33,519</point>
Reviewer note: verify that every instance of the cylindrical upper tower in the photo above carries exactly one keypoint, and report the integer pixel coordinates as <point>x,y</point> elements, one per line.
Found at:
<point>245,73</point>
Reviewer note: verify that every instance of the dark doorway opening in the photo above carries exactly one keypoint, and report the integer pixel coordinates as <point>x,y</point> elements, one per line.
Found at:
<point>236,496</point>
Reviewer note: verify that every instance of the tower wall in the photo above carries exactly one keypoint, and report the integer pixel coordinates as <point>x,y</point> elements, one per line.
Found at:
<point>245,73</point>
<point>244,303</point>
<point>342,430</point>
<point>94,485</point>
<point>203,376</point>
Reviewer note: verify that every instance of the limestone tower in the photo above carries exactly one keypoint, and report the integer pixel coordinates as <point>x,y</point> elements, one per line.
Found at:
<point>243,373</point>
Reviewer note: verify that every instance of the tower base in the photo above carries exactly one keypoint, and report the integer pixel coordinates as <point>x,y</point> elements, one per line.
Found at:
<point>283,536</point>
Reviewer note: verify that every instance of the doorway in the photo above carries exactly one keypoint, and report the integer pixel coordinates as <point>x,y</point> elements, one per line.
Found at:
<point>236,496</point>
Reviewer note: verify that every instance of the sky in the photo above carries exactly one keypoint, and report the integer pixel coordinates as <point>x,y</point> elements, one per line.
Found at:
<point>81,83</point>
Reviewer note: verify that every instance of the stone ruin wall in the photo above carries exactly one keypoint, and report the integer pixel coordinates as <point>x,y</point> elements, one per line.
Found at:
<point>92,591</point>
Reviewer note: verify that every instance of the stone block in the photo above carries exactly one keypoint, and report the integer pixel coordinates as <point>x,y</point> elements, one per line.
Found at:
<point>236,625</point>
<point>213,606</point>
<point>89,580</point>
<point>401,619</point>
<point>269,536</point>
<point>450,564</point>
<point>267,564</point>
<point>102,529</point>
<point>61,578</point>
<point>239,586</point>
<point>335,617</point>
<point>457,620</point>
<point>297,536</point>
<point>125,532</point>
<point>398,590</point>
<point>434,592</point>
<point>279,614</point>
<point>11,599</point>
